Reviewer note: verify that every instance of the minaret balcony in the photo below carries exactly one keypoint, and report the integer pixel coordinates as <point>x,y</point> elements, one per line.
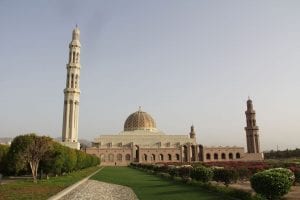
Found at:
<point>72,90</point>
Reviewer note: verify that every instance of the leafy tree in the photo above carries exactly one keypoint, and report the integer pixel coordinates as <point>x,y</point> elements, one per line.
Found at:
<point>35,152</point>
<point>3,158</point>
<point>70,159</point>
<point>16,162</point>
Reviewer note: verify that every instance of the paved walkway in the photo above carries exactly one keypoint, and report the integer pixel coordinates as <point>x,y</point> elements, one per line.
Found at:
<point>92,189</point>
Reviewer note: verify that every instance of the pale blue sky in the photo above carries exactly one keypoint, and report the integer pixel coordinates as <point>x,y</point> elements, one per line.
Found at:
<point>184,62</point>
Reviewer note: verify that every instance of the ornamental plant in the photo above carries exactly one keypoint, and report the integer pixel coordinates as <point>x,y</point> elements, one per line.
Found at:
<point>272,184</point>
<point>201,173</point>
<point>297,175</point>
<point>284,171</point>
<point>224,175</point>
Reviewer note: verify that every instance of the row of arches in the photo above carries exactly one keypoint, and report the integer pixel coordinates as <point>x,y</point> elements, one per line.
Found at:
<point>74,57</point>
<point>224,156</point>
<point>160,157</point>
<point>72,80</point>
<point>112,158</point>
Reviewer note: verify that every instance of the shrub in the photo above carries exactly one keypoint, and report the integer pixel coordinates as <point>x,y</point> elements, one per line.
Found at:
<point>271,184</point>
<point>243,173</point>
<point>164,175</point>
<point>297,176</point>
<point>186,179</point>
<point>173,171</point>
<point>226,176</point>
<point>284,171</point>
<point>184,171</point>
<point>177,178</point>
<point>202,173</point>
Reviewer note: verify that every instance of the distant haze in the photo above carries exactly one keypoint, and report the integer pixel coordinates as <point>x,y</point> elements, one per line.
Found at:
<point>185,62</point>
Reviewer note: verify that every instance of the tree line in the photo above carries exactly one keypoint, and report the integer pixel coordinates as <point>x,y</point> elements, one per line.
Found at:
<point>282,154</point>
<point>30,154</point>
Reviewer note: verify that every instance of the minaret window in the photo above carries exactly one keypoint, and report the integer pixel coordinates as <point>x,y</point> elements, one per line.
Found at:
<point>77,57</point>
<point>72,81</point>
<point>73,59</point>
<point>70,55</point>
<point>76,81</point>
<point>68,79</point>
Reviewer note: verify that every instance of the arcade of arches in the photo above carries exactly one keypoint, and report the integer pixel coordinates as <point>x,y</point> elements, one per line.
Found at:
<point>142,142</point>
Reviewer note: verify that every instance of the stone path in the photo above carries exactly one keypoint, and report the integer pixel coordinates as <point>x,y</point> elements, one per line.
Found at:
<point>92,189</point>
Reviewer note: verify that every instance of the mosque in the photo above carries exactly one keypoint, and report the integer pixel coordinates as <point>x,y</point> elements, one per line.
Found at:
<point>141,141</point>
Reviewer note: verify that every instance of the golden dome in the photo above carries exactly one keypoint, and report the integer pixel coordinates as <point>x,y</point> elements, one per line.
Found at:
<point>139,121</point>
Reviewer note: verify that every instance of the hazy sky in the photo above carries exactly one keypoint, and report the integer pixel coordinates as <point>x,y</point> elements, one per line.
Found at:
<point>184,62</point>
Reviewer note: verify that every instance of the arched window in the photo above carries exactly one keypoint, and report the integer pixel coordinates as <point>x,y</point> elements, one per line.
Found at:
<point>73,60</point>
<point>70,55</point>
<point>68,79</point>
<point>223,156</point>
<point>177,156</point>
<point>238,155</point>
<point>169,157</point>
<point>152,157</point>
<point>102,157</point>
<point>216,156</point>
<point>111,157</point>
<point>76,81</point>
<point>77,57</point>
<point>161,157</point>
<point>230,156</point>
<point>127,157</point>
<point>119,157</point>
<point>145,157</point>
<point>208,156</point>
<point>72,81</point>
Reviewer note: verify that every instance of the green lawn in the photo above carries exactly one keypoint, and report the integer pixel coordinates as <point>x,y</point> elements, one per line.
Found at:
<point>26,189</point>
<point>151,187</point>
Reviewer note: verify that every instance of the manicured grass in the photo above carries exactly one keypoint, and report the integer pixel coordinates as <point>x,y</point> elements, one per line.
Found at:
<point>151,187</point>
<point>26,189</point>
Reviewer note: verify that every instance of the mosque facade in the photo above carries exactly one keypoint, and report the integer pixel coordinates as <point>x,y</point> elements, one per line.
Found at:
<point>141,141</point>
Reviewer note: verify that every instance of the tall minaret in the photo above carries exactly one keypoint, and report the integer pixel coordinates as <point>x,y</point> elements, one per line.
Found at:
<point>192,133</point>
<point>251,129</point>
<point>72,93</point>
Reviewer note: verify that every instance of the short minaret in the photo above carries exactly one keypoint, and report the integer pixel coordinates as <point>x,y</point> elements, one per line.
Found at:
<point>251,129</point>
<point>72,93</point>
<point>192,133</point>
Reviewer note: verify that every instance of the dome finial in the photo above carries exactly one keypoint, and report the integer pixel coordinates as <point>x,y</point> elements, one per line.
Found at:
<point>140,108</point>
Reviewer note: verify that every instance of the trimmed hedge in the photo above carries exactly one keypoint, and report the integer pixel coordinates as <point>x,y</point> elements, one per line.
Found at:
<point>272,183</point>
<point>226,176</point>
<point>203,174</point>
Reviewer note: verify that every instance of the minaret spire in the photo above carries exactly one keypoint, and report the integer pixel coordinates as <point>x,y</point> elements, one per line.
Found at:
<point>72,93</point>
<point>251,129</point>
<point>192,133</point>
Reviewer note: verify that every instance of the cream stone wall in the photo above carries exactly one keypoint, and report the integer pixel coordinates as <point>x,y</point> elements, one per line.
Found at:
<point>213,154</point>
